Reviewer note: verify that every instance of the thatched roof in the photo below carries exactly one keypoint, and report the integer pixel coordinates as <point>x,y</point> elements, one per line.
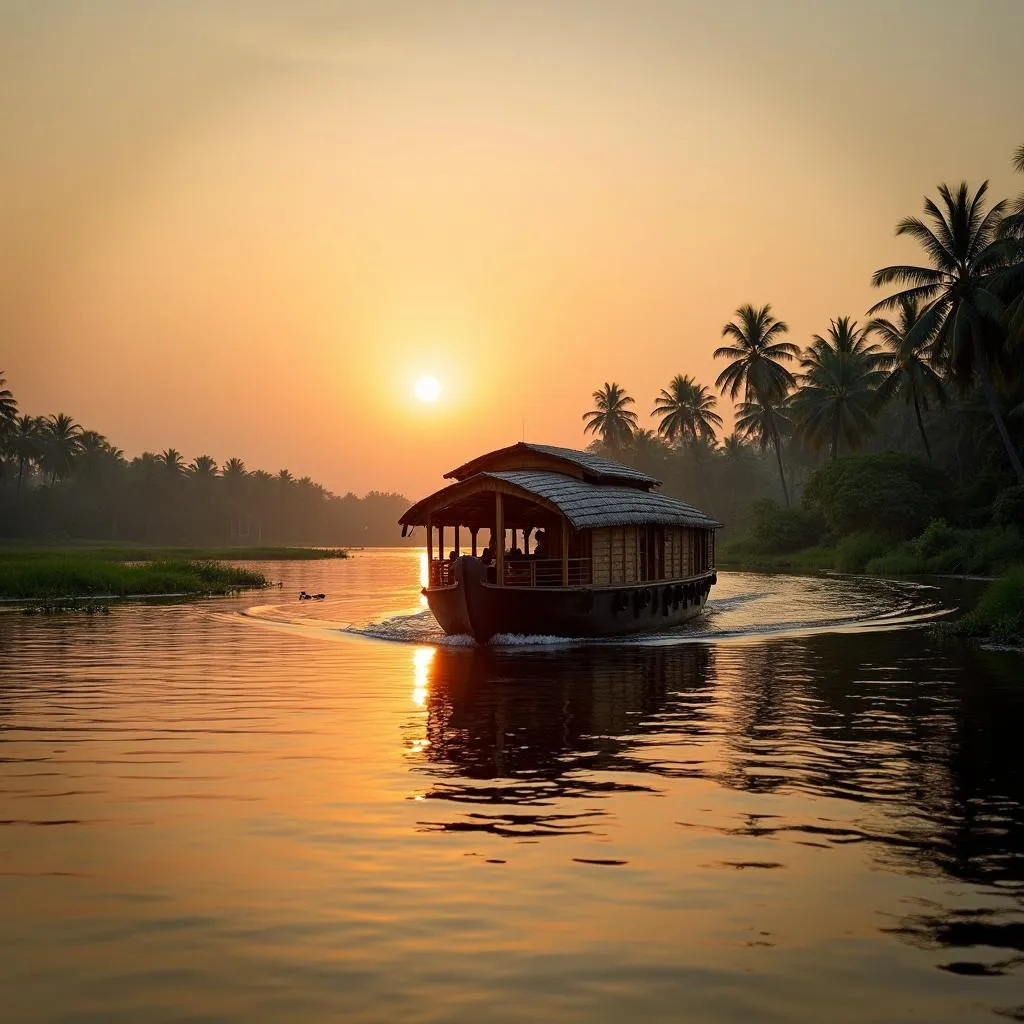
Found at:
<point>583,465</point>
<point>532,492</point>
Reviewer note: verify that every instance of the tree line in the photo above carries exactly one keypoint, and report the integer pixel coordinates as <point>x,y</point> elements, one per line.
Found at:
<point>60,479</point>
<point>936,369</point>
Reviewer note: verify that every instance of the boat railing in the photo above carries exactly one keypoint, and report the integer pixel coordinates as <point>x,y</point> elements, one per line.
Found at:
<point>545,572</point>
<point>521,572</point>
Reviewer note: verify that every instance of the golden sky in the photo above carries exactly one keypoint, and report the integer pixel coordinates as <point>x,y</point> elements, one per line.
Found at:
<point>247,228</point>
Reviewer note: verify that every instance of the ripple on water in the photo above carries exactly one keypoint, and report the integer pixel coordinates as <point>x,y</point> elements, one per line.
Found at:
<point>244,810</point>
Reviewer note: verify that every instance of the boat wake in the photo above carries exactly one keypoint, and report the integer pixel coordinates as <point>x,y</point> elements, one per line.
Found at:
<point>750,605</point>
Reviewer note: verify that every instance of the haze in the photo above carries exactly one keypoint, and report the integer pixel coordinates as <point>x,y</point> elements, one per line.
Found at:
<point>249,229</point>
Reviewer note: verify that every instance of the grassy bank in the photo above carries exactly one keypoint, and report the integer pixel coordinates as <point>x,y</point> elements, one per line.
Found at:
<point>144,553</point>
<point>42,576</point>
<point>939,549</point>
<point>998,617</point>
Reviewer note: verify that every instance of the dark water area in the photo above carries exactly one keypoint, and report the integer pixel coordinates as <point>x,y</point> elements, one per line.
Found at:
<point>255,809</point>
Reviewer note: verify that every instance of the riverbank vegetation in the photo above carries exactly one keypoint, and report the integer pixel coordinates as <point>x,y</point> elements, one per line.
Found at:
<point>890,444</point>
<point>62,482</point>
<point>48,576</point>
<point>148,553</point>
<point>998,617</point>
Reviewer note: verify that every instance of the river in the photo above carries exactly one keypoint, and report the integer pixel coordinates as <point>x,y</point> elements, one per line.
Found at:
<point>799,808</point>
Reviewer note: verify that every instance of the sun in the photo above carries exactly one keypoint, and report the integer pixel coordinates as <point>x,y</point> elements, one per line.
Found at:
<point>428,389</point>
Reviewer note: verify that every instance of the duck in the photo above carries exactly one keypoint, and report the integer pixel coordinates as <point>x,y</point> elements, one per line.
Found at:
<point>319,597</point>
<point>303,596</point>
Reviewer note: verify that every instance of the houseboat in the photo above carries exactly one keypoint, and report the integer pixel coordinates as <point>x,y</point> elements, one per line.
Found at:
<point>574,545</point>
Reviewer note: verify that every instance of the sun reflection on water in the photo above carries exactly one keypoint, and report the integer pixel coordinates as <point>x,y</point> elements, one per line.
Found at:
<point>421,659</point>
<point>424,576</point>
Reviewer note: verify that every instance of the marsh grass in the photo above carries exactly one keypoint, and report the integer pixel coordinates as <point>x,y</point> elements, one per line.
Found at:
<point>41,576</point>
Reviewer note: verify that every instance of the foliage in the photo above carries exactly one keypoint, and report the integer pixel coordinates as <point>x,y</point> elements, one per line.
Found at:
<point>964,314</point>
<point>48,576</point>
<point>944,549</point>
<point>855,551</point>
<point>161,554</point>
<point>778,530</point>
<point>686,411</point>
<point>897,494</point>
<point>611,418</point>
<point>838,396</point>
<point>999,615</point>
<point>1009,507</point>
<point>64,482</point>
<point>908,370</point>
<point>756,355</point>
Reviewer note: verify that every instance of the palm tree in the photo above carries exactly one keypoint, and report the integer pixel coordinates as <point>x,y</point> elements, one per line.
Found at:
<point>202,467</point>
<point>839,387</point>
<point>173,463</point>
<point>611,418</point>
<point>1011,280</point>
<point>95,452</point>
<point>687,411</point>
<point>234,477</point>
<point>962,314</point>
<point>843,335</point>
<point>756,369</point>
<point>61,442</point>
<point>8,407</point>
<point>908,371</point>
<point>25,444</point>
<point>762,424</point>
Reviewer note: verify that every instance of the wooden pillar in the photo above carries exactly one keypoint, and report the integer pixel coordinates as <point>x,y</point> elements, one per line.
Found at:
<point>458,543</point>
<point>473,531</point>
<point>565,552</point>
<point>430,553</point>
<point>499,533</point>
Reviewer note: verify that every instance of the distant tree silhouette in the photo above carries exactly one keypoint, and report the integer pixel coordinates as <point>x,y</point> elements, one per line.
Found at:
<point>8,409</point>
<point>756,368</point>
<point>611,418</point>
<point>963,313</point>
<point>909,373</point>
<point>838,396</point>
<point>61,442</point>
<point>686,412</point>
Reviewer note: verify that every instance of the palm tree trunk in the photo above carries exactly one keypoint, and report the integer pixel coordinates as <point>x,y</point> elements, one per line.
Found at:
<point>920,425</point>
<point>989,390</point>
<point>778,453</point>
<point>835,440</point>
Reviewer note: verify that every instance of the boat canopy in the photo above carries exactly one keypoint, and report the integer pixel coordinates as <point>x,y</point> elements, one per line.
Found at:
<point>533,496</point>
<point>545,457</point>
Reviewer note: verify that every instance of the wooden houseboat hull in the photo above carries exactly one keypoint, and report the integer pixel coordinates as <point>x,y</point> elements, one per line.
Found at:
<point>471,606</point>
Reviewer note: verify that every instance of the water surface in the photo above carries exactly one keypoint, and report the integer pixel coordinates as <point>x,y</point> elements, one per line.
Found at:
<point>256,809</point>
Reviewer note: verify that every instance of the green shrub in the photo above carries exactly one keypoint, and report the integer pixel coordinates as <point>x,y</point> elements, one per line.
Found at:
<point>854,552</point>
<point>1008,508</point>
<point>890,493</point>
<point>778,530</point>
<point>904,561</point>
<point>998,616</point>
<point>938,536</point>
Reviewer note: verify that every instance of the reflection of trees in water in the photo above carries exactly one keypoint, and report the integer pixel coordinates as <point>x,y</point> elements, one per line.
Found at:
<point>924,743</point>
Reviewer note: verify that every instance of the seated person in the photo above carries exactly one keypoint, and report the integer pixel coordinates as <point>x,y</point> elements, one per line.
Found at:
<point>452,555</point>
<point>486,557</point>
<point>540,549</point>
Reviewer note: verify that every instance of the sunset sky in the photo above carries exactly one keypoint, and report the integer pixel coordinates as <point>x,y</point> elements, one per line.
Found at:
<point>247,229</point>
